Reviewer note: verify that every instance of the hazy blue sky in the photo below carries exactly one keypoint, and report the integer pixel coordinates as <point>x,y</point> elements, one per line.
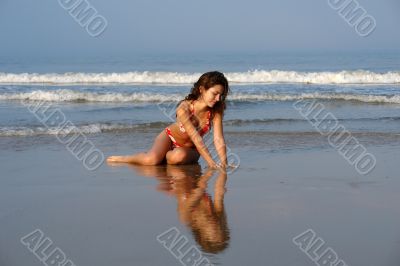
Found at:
<point>44,28</point>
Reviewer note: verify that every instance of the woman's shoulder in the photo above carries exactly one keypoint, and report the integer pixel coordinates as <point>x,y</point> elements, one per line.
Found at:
<point>184,104</point>
<point>216,114</point>
<point>183,107</point>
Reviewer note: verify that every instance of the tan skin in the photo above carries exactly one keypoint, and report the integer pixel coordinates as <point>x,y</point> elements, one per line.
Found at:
<point>192,143</point>
<point>195,206</point>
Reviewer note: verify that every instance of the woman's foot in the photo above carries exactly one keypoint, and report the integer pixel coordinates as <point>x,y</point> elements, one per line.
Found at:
<point>118,159</point>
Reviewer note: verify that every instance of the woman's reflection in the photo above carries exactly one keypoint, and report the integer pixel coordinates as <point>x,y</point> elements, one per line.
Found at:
<point>204,216</point>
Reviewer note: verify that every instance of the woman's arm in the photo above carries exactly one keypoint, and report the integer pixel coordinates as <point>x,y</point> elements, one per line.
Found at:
<point>219,191</point>
<point>183,114</point>
<point>219,140</point>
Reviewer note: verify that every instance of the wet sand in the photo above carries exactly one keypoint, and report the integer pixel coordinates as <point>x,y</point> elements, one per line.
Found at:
<point>112,216</point>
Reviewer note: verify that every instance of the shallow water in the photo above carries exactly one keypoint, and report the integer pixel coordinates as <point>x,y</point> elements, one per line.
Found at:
<point>113,215</point>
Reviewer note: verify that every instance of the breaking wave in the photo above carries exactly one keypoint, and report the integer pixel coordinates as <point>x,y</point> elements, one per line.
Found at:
<point>66,95</point>
<point>96,128</point>
<point>178,78</point>
<point>84,129</point>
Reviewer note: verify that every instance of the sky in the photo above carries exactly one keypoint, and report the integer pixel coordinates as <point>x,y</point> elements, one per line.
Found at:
<point>45,28</point>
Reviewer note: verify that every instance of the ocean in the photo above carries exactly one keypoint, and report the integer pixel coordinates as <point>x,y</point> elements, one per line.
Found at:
<point>134,95</point>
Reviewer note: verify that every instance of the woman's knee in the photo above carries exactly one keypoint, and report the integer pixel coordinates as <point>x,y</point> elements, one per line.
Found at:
<point>174,157</point>
<point>179,156</point>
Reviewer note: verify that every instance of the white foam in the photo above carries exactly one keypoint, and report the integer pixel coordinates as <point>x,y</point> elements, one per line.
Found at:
<point>98,128</point>
<point>65,95</point>
<point>84,129</point>
<point>144,77</point>
<point>317,96</point>
<point>167,78</point>
<point>341,77</point>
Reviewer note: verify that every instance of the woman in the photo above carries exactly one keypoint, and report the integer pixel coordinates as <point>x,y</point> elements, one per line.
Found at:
<point>204,215</point>
<point>182,142</point>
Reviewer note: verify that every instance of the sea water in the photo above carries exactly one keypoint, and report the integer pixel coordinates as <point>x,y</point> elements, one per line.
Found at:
<point>138,94</point>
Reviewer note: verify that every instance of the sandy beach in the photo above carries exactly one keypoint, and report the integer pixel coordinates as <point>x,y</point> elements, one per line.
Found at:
<point>113,215</point>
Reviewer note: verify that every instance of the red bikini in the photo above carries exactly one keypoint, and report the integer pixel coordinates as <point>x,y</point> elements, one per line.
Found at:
<point>202,131</point>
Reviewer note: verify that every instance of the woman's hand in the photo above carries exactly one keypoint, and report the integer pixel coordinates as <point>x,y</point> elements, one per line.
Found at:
<point>213,165</point>
<point>218,166</point>
<point>221,166</point>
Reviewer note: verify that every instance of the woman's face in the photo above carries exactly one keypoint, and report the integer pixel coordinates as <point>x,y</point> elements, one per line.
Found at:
<point>212,95</point>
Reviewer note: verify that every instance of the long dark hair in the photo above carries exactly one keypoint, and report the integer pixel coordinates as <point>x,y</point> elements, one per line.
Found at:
<point>208,80</point>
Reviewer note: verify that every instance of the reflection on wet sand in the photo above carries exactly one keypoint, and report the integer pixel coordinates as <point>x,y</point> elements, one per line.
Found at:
<point>205,217</point>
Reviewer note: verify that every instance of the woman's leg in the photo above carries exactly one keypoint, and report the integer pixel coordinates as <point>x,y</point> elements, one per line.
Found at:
<point>154,156</point>
<point>182,155</point>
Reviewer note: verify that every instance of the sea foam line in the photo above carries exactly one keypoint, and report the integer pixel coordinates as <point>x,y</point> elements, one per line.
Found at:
<point>94,128</point>
<point>97,128</point>
<point>181,78</point>
<point>66,95</point>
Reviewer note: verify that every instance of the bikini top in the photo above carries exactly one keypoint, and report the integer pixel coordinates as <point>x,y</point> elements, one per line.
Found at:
<point>202,131</point>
